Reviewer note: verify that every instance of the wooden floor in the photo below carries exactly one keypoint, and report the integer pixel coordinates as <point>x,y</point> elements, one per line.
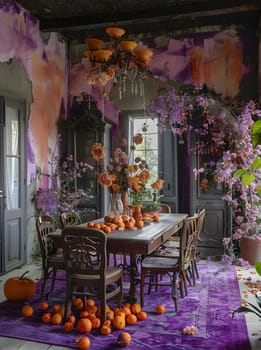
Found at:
<point>254,325</point>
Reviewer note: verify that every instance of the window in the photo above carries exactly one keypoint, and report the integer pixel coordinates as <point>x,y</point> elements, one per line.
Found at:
<point>149,149</point>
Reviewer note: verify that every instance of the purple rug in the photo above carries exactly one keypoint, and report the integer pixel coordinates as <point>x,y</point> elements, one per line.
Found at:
<point>207,307</point>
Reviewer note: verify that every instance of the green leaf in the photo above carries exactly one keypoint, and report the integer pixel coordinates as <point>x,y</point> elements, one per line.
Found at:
<point>259,190</point>
<point>248,179</point>
<point>240,172</point>
<point>256,127</point>
<point>256,164</point>
<point>258,267</point>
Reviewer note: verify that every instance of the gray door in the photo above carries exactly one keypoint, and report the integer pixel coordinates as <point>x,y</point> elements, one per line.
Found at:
<point>207,193</point>
<point>12,184</point>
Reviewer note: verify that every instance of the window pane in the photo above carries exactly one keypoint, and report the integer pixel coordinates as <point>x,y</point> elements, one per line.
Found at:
<point>12,181</point>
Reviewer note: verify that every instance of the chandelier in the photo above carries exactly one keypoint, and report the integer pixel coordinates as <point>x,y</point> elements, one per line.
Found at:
<point>117,60</point>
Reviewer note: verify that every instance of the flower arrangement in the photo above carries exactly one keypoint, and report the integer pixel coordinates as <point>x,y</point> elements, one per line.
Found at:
<point>122,175</point>
<point>228,142</point>
<point>60,194</point>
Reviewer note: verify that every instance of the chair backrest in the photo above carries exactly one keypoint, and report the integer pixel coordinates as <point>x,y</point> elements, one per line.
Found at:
<point>164,208</point>
<point>84,251</point>
<point>187,240</point>
<point>200,221</point>
<point>70,219</point>
<point>44,225</point>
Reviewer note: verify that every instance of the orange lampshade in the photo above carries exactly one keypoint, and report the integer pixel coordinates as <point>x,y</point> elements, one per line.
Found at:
<point>127,45</point>
<point>143,55</point>
<point>101,55</point>
<point>94,43</point>
<point>115,32</point>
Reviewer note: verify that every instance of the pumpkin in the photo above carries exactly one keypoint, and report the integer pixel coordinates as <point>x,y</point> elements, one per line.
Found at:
<point>19,288</point>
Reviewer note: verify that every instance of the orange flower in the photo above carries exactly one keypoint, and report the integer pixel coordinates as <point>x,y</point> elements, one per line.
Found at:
<point>144,175</point>
<point>98,151</point>
<point>158,185</point>
<point>138,139</point>
<point>105,179</point>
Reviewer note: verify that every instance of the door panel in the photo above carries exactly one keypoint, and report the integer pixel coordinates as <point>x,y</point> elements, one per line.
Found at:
<point>13,185</point>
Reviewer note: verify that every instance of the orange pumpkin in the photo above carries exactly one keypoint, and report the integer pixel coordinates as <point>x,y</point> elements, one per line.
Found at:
<point>83,343</point>
<point>19,288</point>
<point>119,322</point>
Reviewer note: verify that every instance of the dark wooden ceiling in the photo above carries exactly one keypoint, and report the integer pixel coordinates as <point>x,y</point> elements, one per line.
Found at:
<point>76,19</point>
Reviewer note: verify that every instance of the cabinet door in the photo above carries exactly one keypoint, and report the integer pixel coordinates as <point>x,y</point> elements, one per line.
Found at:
<point>89,209</point>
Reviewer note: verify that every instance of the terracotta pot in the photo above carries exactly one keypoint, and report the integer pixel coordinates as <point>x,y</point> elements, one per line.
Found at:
<point>250,249</point>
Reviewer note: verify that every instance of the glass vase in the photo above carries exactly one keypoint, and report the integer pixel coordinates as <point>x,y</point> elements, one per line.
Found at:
<point>116,206</point>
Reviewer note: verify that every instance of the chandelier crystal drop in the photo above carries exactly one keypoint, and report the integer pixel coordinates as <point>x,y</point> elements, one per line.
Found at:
<point>117,60</point>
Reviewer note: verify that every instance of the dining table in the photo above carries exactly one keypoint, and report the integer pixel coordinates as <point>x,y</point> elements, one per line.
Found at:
<point>138,242</point>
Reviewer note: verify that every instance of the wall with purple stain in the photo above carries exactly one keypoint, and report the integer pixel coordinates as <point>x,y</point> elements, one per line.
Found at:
<point>45,64</point>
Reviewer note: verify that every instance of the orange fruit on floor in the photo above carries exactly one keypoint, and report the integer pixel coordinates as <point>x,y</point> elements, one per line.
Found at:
<point>124,339</point>
<point>61,310</point>
<point>131,319</point>
<point>56,318</point>
<point>67,327</point>
<point>46,317</point>
<point>135,308</point>
<point>43,305</point>
<point>119,322</point>
<point>71,319</point>
<point>77,301</point>
<point>92,309</point>
<point>109,315</point>
<point>105,330</point>
<point>55,308</point>
<point>126,310</point>
<point>79,306</point>
<point>91,316</point>
<point>96,322</point>
<point>83,343</point>
<point>90,302</point>
<point>142,315</point>
<point>107,323</point>
<point>84,325</point>
<point>27,310</point>
<point>84,314</point>
<point>160,309</point>
<point>119,312</point>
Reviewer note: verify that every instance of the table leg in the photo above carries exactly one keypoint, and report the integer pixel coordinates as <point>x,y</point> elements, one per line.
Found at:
<point>133,272</point>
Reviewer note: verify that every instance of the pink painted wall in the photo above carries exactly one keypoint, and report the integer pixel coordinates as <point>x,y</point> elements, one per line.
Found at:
<point>45,65</point>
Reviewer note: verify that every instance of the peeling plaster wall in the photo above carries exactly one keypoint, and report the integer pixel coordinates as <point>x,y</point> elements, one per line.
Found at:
<point>35,69</point>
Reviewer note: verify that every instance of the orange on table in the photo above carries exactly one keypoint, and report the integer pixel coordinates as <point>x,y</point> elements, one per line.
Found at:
<point>27,310</point>
<point>90,224</point>
<point>112,226</point>
<point>121,225</point>
<point>132,220</point>
<point>106,229</point>
<point>129,225</point>
<point>131,319</point>
<point>139,224</point>
<point>156,218</point>
<point>160,309</point>
<point>97,226</point>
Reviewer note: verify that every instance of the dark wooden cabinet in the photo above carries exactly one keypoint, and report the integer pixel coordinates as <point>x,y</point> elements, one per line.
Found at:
<point>84,128</point>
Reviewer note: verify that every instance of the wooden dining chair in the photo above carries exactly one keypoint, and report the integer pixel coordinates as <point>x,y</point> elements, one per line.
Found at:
<point>70,219</point>
<point>164,208</point>
<point>51,260</point>
<point>85,256</point>
<point>175,267</point>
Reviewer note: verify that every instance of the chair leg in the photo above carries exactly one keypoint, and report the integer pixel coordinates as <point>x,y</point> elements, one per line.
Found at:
<point>44,279</point>
<point>195,268</point>
<point>53,279</point>
<point>142,283</point>
<point>184,283</point>
<point>174,290</point>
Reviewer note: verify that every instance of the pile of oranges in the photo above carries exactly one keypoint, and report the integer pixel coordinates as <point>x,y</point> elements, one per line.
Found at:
<point>123,222</point>
<point>88,318</point>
